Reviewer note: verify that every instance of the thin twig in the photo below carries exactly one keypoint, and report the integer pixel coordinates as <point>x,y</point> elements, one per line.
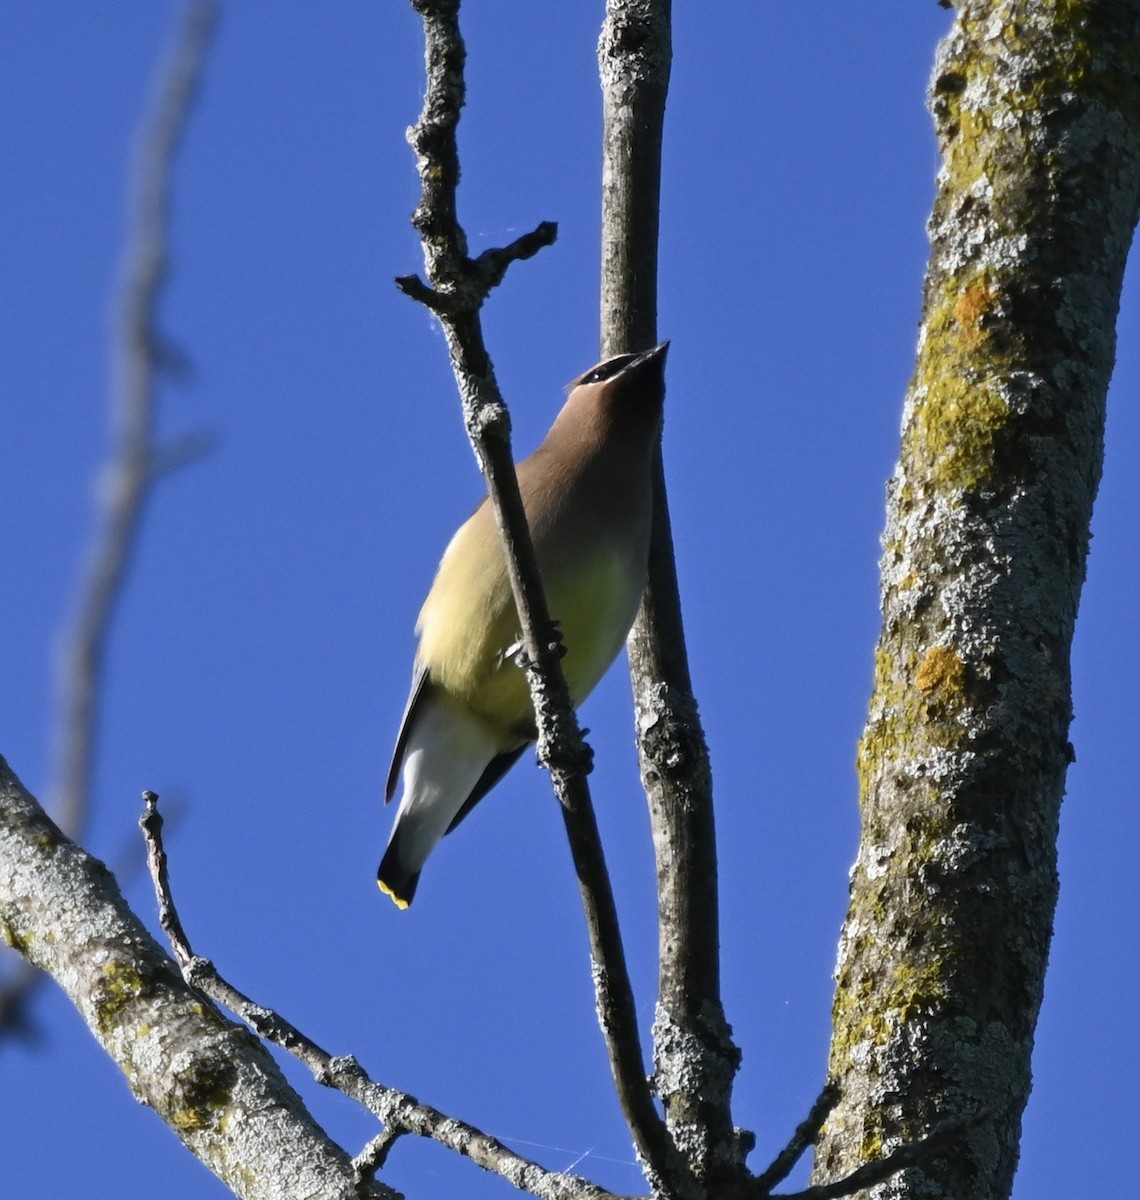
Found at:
<point>135,462</point>
<point>911,1154</point>
<point>458,287</point>
<point>151,825</point>
<point>806,1133</point>
<point>399,1112</point>
<point>375,1154</point>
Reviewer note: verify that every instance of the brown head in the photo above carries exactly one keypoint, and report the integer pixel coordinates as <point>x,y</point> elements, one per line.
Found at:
<point>625,391</point>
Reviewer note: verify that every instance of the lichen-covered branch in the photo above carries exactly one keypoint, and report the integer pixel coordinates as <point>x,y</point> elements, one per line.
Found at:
<point>136,460</point>
<point>456,288</point>
<point>694,1058</point>
<point>215,1086</point>
<point>962,763</point>
<point>918,1154</point>
<point>211,1082</point>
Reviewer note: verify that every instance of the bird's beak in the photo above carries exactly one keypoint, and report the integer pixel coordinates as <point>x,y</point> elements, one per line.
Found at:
<point>648,362</point>
<point>658,352</point>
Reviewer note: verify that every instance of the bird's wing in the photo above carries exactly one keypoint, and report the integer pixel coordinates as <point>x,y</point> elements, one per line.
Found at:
<point>496,769</point>
<point>421,687</point>
<point>419,696</point>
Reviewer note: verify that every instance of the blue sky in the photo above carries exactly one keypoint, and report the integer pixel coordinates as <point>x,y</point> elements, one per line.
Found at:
<point>262,651</point>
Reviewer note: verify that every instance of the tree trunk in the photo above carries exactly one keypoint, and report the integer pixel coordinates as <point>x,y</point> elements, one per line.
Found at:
<point>962,763</point>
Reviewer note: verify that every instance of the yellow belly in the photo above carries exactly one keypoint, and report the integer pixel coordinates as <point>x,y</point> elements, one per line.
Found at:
<point>468,622</point>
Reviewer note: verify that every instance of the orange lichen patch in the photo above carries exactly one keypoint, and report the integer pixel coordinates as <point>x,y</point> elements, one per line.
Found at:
<point>973,304</point>
<point>941,674</point>
<point>912,709</point>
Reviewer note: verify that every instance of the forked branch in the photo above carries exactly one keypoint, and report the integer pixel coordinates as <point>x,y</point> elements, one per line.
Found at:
<point>400,1113</point>
<point>456,289</point>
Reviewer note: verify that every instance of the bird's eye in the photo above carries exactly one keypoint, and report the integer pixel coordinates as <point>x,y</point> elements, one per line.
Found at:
<point>608,369</point>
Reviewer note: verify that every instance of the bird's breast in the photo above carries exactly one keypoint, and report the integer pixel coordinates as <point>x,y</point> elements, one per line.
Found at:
<point>468,623</point>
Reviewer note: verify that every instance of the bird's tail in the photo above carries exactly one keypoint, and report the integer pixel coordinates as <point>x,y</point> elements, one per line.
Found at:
<point>446,754</point>
<point>395,879</point>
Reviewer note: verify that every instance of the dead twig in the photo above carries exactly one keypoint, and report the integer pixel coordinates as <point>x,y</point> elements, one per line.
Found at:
<point>806,1133</point>
<point>399,1113</point>
<point>911,1154</point>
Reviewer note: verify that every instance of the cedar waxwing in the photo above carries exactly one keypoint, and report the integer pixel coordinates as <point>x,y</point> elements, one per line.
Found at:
<point>588,495</point>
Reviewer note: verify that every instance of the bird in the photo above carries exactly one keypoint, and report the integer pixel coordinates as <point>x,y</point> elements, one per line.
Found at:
<point>588,495</point>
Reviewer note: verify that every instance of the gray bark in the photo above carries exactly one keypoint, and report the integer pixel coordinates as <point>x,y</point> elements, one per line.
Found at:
<point>207,1078</point>
<point>695,1060</point>
<point>962,763</point>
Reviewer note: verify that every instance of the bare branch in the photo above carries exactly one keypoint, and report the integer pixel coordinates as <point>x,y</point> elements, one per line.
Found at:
<point>168,920</point>
<point>135,463</point>
<point>129,475</point>
<point>464,285</point>
<point>375,1154</point>
<point>216,1087</point>
<point>694,1056</point>
<point>492,264</point>
<point>399,1112</point>
<point>806,1133</point>
<point>910,1155</point>
<point>180,451</point>
<point>414,287</point>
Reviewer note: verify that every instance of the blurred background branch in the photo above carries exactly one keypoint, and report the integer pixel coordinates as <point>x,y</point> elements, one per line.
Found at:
<point>137,459</point>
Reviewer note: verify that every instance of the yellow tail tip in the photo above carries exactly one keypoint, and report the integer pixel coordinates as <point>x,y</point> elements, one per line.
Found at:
<point>398,901</point>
